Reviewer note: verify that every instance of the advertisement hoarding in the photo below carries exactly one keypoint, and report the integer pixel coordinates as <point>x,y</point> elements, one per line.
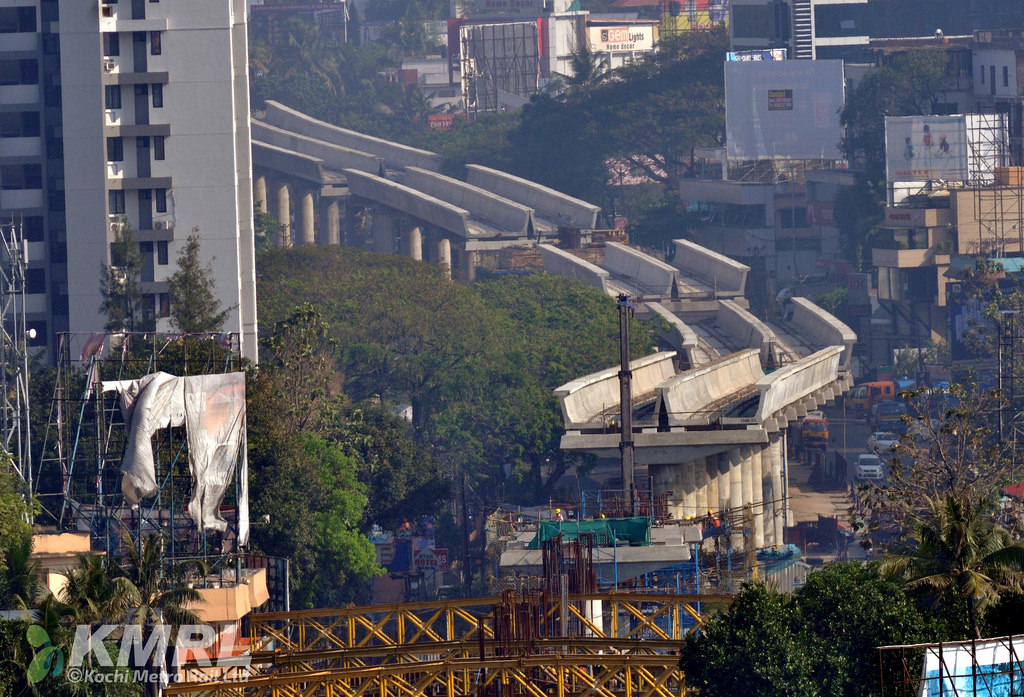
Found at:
<point>926,148</point>
<point>783,109</point>
<point>984,668</point>
<point>622,38</point>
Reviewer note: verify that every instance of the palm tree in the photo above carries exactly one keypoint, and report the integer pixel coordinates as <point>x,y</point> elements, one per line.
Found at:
<point>19,583</point>
<point>958,550</point>
<point>588,69</point>
<point>160,600</point>
<point>90,596</point>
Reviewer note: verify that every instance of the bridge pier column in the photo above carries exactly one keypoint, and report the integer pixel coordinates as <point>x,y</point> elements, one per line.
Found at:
<point>383,228</point>
<point>757,503</point>
<point>711,467</point>
<point>308,219</point>
<point>469,269</point>
<point>260,193</point>
<point>778,491</point>
<point>444,256</point>
<point>330,222</point>
<point>689,484</point>
<point>667,479</point>
<point>283,213</point>
<point>734,462</point>
<point>700,473</point>
<point>724,479</point>
<point>413,242</point>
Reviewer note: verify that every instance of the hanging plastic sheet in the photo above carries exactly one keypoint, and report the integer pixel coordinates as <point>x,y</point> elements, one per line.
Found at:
<point>212,409</point>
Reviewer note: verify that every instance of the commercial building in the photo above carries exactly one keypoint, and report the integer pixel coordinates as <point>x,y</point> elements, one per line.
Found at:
<point>130,113</point>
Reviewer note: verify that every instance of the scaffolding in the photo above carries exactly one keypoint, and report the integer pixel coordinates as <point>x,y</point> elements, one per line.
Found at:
<point>14,341</point>
<point>978,668</point>
<point>78,478</point>
<point>498,58</point>
<point>997,188</point>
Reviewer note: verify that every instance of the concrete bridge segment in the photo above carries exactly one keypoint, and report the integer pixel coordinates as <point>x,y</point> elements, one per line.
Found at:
<point>396,156</point>
<point>562,263</point>
<point>507,215</point>
<point>549,204</point>
<point>334,157</point>
<point>719,273</point>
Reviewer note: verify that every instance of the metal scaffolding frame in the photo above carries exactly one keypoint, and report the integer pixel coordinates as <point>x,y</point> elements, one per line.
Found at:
<point>77,480</point>
<point>498,58</point>
<point>15,426</point>
<point>900,669</point>
<point>998,207</point>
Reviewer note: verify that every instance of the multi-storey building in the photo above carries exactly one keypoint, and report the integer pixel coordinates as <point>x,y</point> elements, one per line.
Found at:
<point>132,112</point>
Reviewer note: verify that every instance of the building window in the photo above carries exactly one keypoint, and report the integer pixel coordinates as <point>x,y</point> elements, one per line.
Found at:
<point>115,149</point>
<point>161,200</point>
<point>35,281</point>
<point>1006,76</point>
<point>983,74</point>
<point>17,20</point>
<point>19,72</point>
<point>115,202</point>
<point>19,124</point>
<point>165,304</point>
<point>158,147</point>
<point>112,96</point>
<point>111,43</point>
<point>14,177</point>
<point>161,253</point>
<point>158,95</point>
<point>155,48</point>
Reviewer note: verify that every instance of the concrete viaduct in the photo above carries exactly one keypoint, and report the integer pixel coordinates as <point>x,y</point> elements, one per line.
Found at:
<point>709,422</point>
<point>710,413</point>
<point>307,172</point>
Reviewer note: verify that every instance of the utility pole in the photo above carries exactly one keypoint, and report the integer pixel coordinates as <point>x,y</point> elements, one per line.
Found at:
<point>626,405</point>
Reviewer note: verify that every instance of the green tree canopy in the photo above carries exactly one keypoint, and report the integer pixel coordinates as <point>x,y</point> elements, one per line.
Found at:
<point>194,307</point>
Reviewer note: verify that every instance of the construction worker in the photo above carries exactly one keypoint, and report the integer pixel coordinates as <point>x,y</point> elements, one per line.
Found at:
<point>558,515</point>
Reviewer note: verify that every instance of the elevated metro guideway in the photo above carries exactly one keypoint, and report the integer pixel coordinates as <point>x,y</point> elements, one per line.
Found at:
<point>712,434</point>
<point>321,162</point>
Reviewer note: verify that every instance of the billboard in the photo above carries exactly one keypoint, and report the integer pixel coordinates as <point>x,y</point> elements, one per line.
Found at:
<point>980,669</point>
<point>926,148</point>
<point>783,109</point>
<point>768,54</point>
<point>694,15</point>
<point>622,38</point>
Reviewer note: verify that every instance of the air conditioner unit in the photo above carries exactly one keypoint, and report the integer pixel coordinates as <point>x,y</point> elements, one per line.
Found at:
<point>109,65</point>
<point>158,225</point>
<point>106,10</point>
<point>116,227</point>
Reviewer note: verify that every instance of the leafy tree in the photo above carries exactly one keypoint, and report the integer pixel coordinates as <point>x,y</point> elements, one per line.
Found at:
<point>402,476</point>
<point>121,285</point>
<point>957,550</point>
<point>267,230</point>
<point>14,526</point>
<point>194,307</point>
<point>753,648</point>
<point>345,557</point>
<point>858,211</point>
<point>304,370</point>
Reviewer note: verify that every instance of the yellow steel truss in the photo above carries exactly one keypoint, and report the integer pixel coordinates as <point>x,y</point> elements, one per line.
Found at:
<point>610,645</point>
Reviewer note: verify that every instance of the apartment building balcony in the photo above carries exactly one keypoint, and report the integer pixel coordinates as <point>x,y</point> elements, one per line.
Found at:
<point>19,94</point>
<point>21,198</point>
<point>118,17</point>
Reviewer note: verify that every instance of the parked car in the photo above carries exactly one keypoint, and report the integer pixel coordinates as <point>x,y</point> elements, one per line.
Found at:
<point>869,468</point>
<point>882,442</point>
<point>888,416</point>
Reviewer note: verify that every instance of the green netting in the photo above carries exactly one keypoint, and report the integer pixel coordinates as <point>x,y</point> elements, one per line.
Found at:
<point>604,531</point>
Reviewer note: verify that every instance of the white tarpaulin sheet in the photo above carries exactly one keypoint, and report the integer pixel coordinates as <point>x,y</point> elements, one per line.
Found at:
<point>212,409</point>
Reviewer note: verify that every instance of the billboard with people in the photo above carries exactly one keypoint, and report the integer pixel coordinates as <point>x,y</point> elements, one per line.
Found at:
<point>926,148</point>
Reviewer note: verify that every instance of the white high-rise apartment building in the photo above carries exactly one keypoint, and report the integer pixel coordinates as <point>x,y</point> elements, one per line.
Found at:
<point>132,110</point>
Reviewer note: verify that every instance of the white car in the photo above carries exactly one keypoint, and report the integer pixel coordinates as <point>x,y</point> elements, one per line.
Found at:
<point>869,468</point>
<point>882,442</point>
